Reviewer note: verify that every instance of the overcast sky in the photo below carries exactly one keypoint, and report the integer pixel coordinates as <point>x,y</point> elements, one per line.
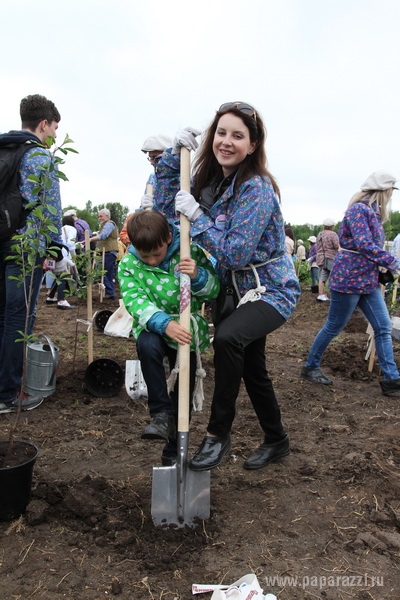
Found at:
<point>324,74</point>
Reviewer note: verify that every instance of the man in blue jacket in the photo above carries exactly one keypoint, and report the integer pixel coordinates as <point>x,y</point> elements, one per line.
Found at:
<point>40,118</point>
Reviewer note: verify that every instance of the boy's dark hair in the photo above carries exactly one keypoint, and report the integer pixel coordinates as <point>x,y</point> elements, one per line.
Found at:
<point>36,108</point>
<point>148,230</point>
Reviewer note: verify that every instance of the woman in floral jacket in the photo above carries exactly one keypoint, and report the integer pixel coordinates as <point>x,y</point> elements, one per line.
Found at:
<point>354,280</point>
<point>235,215</point>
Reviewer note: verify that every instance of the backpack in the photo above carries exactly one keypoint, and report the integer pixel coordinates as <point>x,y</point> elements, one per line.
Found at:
<point>13,215</point>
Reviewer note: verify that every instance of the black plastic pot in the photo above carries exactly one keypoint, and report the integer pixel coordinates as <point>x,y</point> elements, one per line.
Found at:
<point>101,319</point>
<point>104,378</point>
<point>16,479</point>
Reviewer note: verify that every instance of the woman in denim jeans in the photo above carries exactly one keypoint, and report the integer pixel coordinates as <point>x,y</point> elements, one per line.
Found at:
<point>354,280</point>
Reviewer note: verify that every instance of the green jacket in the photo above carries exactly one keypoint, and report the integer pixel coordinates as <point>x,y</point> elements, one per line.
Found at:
<point>152,294</point>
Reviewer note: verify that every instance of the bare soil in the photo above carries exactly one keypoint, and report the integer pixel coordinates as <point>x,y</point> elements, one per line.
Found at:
<point>328,515</point>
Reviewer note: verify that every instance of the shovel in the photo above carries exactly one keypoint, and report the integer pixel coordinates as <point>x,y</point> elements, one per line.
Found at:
<point>179,495</point>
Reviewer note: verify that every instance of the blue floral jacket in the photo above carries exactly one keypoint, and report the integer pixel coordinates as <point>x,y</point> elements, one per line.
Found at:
<point>253,232</point>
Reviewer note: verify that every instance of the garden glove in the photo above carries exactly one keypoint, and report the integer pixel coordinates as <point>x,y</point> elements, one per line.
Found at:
<point>187,205</point>
<point>187,138</point>
<point>146,201</point>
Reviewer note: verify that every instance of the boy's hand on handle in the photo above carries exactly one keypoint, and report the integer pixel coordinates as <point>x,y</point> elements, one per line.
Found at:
<point>189,267</point>
<point>178,333</point>
<point>187,138</point>
<point>186,204</point>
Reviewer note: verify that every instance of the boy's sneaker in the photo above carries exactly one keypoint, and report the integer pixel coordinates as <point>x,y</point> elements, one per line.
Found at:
<point>322,298</point>
<point>28,403</point>
<point>159,427</point>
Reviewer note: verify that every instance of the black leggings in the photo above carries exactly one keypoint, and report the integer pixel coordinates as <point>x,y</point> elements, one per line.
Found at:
<point>239,352</point>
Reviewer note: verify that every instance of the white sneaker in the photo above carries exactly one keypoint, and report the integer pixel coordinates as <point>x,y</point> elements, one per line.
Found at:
<point>322,298</point>
<point>64,305</point>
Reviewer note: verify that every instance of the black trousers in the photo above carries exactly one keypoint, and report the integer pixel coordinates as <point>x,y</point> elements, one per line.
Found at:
<point>239,353</point>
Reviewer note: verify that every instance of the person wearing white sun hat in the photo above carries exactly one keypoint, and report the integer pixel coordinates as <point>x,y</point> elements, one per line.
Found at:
<point>354,280</point>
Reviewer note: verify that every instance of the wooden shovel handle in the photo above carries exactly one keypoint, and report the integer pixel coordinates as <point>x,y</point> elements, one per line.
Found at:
<point>184,319</point>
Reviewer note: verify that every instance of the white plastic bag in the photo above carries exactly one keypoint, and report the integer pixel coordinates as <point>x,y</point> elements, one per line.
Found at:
<point>396,328</point>
<point>120,322</point>
<point>135,384</point>
<point>245,588</point>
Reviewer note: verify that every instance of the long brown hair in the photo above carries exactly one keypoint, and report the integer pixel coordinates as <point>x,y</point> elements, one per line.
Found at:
<point>206,167</point>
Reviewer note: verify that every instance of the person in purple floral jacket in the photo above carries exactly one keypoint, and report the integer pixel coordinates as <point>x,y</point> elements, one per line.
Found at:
<point>354,280</point>
<point>235,215</point>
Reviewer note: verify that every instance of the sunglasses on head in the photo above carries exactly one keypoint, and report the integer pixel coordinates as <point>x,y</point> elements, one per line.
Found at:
<point>246,109</point>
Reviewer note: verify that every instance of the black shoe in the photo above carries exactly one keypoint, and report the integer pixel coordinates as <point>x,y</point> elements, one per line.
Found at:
<point>315,375</point>
<point>210,453</point>
<point>390,386</point>
<point>109,297</point>
<point>168,461</point>
<point>158,428</point>
<point>267,453</point>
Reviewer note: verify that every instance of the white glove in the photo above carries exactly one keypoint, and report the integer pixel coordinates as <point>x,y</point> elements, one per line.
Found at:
<point>186,137</point>
<point>61,267</point>
<point>146,201</point>
<point>187,205</point>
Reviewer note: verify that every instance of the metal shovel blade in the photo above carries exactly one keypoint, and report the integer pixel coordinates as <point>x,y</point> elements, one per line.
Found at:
<point>179,495</point>
<point>164,499</point>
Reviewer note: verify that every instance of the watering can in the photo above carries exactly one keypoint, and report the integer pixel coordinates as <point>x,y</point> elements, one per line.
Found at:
<point>41,365</point>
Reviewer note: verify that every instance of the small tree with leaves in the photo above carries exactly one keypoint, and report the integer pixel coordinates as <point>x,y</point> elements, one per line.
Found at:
<point>31,248</point>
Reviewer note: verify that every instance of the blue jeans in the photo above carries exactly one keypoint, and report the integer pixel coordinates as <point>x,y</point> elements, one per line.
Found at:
<point>341,308</point>
<point>13,312</point>
<point>109,267</point>
<point>314,275</point>
<point>152,349</point>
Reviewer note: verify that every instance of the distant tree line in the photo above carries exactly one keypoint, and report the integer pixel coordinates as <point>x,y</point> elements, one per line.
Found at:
<point>303,232</point>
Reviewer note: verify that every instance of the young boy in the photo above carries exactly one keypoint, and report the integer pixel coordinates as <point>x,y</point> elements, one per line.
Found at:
<point>149,276</point>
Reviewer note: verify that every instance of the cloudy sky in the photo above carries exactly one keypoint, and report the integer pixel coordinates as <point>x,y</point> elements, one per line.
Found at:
<point>324,75</point>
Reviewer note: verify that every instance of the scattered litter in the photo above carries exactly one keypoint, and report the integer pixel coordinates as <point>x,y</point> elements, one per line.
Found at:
<point>396,328</point>
<point>245,588</point>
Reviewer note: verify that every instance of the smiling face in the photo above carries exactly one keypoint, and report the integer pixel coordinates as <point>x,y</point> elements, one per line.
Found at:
<point>231,142</point>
